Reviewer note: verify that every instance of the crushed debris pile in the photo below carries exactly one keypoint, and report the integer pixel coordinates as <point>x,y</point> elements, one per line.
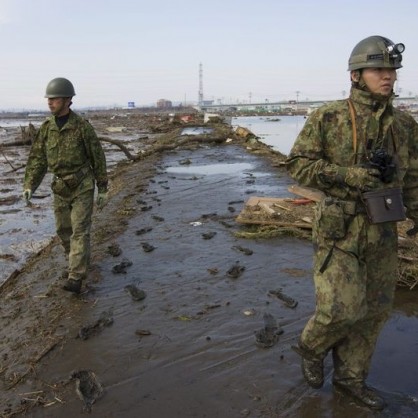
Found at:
<point>268,217</point>
<point>275,211</point>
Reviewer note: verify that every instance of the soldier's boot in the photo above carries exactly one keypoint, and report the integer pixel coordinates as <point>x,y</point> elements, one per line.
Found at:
<point>312,367</point>
<point>360,392</point>
<point>72,285</point>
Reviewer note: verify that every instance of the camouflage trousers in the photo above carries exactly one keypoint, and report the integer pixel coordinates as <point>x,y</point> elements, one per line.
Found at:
<point>73,224</point>
<point>354,294</point>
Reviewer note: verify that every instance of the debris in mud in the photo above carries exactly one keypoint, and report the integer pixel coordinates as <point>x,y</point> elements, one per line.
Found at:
<point>143,230</point>
<point>208,308</point>
<point>136,293</point>
<point>288,301</point>
<point>9,257</point>
<point>145,208</point>
<point>157,218</point>
<point>208,235</point>
<point>235,271</point>
<point>213,270</point>
<point>226,224</point>
<point>244,250</point>
<point>143,332</point>
<point>185,162</point>
<point>114,249</point>
<point>283,212</point>
<point>147,247</point>
<point>267,336</point>
<point>105,320</point>
<point>122,266</point>
<point>249,312</point>
<point>87,387</point>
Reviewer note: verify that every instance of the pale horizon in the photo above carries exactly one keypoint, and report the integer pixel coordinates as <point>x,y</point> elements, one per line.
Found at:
<point>135,51</point>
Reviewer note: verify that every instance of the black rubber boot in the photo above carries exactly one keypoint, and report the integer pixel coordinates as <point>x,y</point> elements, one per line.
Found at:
<point>361,393</point>
<point>312,367</point>
<point>72,285</point>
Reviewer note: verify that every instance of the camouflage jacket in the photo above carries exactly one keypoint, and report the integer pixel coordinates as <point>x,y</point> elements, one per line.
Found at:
<point>65,152</point>
<point>326,143</point>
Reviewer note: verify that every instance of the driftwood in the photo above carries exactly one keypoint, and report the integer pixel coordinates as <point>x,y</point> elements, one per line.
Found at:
<point>17,143</point>
<point>163,147</point>
<point>121,146</point>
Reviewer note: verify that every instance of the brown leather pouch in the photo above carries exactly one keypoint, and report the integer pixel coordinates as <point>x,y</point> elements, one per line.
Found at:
<point>385,205</point>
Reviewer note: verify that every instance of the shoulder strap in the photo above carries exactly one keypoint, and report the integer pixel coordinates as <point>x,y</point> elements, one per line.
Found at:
<point>354,126</point>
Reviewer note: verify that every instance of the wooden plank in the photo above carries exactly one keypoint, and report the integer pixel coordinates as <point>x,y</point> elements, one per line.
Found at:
<point>267,209</point>
<point>256,200</point>
<point>308,192</point>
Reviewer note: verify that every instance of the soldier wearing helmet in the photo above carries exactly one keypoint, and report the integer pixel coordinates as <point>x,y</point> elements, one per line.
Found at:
<point>67,146</point>
<point>362,153</point>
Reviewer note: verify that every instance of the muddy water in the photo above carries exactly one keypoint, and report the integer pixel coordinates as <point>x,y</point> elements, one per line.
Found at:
<point>200,358</point>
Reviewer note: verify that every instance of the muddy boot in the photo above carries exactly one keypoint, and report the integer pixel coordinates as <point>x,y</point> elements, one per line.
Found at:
<point>312,367</point>
<point>72,285</point>
<point>361,393</point>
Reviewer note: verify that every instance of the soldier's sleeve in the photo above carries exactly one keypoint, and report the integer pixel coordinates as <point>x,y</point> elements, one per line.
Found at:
<point>37,164</point>
<point>97,157</point>
<point>410,180</point>
<point>307,163</point>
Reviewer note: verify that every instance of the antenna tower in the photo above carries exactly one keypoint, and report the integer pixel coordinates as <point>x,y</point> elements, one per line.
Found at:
<point>200,98</point>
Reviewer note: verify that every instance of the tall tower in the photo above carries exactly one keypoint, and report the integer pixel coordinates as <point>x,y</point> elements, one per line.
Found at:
<point>200,96</point>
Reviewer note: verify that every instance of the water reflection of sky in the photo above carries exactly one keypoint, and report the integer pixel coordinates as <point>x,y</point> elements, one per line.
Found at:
<point>210,169</point>
<point>279,134</point>
<point>196,130</point>
<point>15,123</point>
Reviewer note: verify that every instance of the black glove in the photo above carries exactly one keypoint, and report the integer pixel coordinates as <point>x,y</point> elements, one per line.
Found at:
<point>412,232</point>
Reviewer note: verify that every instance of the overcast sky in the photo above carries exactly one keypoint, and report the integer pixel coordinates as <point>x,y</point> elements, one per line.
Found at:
<point>115,51</point>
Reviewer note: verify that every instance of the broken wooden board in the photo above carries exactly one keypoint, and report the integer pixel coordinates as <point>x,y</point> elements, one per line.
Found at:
<point>285,212</point>
<point>307,192</point>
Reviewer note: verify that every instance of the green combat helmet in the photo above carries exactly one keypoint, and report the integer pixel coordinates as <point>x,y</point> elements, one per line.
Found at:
<point>59,87</point>
<point>376,52</point>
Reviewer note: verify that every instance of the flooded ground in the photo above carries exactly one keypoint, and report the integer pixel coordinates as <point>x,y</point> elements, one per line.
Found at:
<point>189,348</point>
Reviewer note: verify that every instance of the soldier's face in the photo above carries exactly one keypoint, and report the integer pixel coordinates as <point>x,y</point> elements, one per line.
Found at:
<point>59,106</point>
<point>379,80</point>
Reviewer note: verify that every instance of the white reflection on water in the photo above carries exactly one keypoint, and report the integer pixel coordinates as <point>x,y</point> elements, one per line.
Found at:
<point>210,169</point>
<point>280,135</point>
<point>196,130</point>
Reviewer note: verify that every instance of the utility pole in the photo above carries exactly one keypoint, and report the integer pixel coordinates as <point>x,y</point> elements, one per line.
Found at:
<point>249,96</point>
<point>200,94</point>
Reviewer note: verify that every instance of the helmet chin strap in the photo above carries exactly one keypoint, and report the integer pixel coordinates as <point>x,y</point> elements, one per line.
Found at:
<point>357,81</point>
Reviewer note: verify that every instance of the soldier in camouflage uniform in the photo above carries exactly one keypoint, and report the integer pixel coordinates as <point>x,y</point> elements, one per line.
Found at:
<point>67,146</point>
<point>355,259</point>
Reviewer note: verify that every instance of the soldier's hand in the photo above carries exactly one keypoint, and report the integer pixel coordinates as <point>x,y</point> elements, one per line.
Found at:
<point>27,194</point>
<point>101,200</point>
<point>362,178</point>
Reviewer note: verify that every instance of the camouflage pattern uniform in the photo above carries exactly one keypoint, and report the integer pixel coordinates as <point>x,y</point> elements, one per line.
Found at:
<point>75,157</point>
<point>355,262</point>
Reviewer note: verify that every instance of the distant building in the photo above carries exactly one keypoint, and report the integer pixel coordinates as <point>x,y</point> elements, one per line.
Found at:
<point>164,104</point>
<point>131,105</point>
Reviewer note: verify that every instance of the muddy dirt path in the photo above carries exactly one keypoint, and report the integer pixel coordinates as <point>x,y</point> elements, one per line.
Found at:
<point>189,348</point>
